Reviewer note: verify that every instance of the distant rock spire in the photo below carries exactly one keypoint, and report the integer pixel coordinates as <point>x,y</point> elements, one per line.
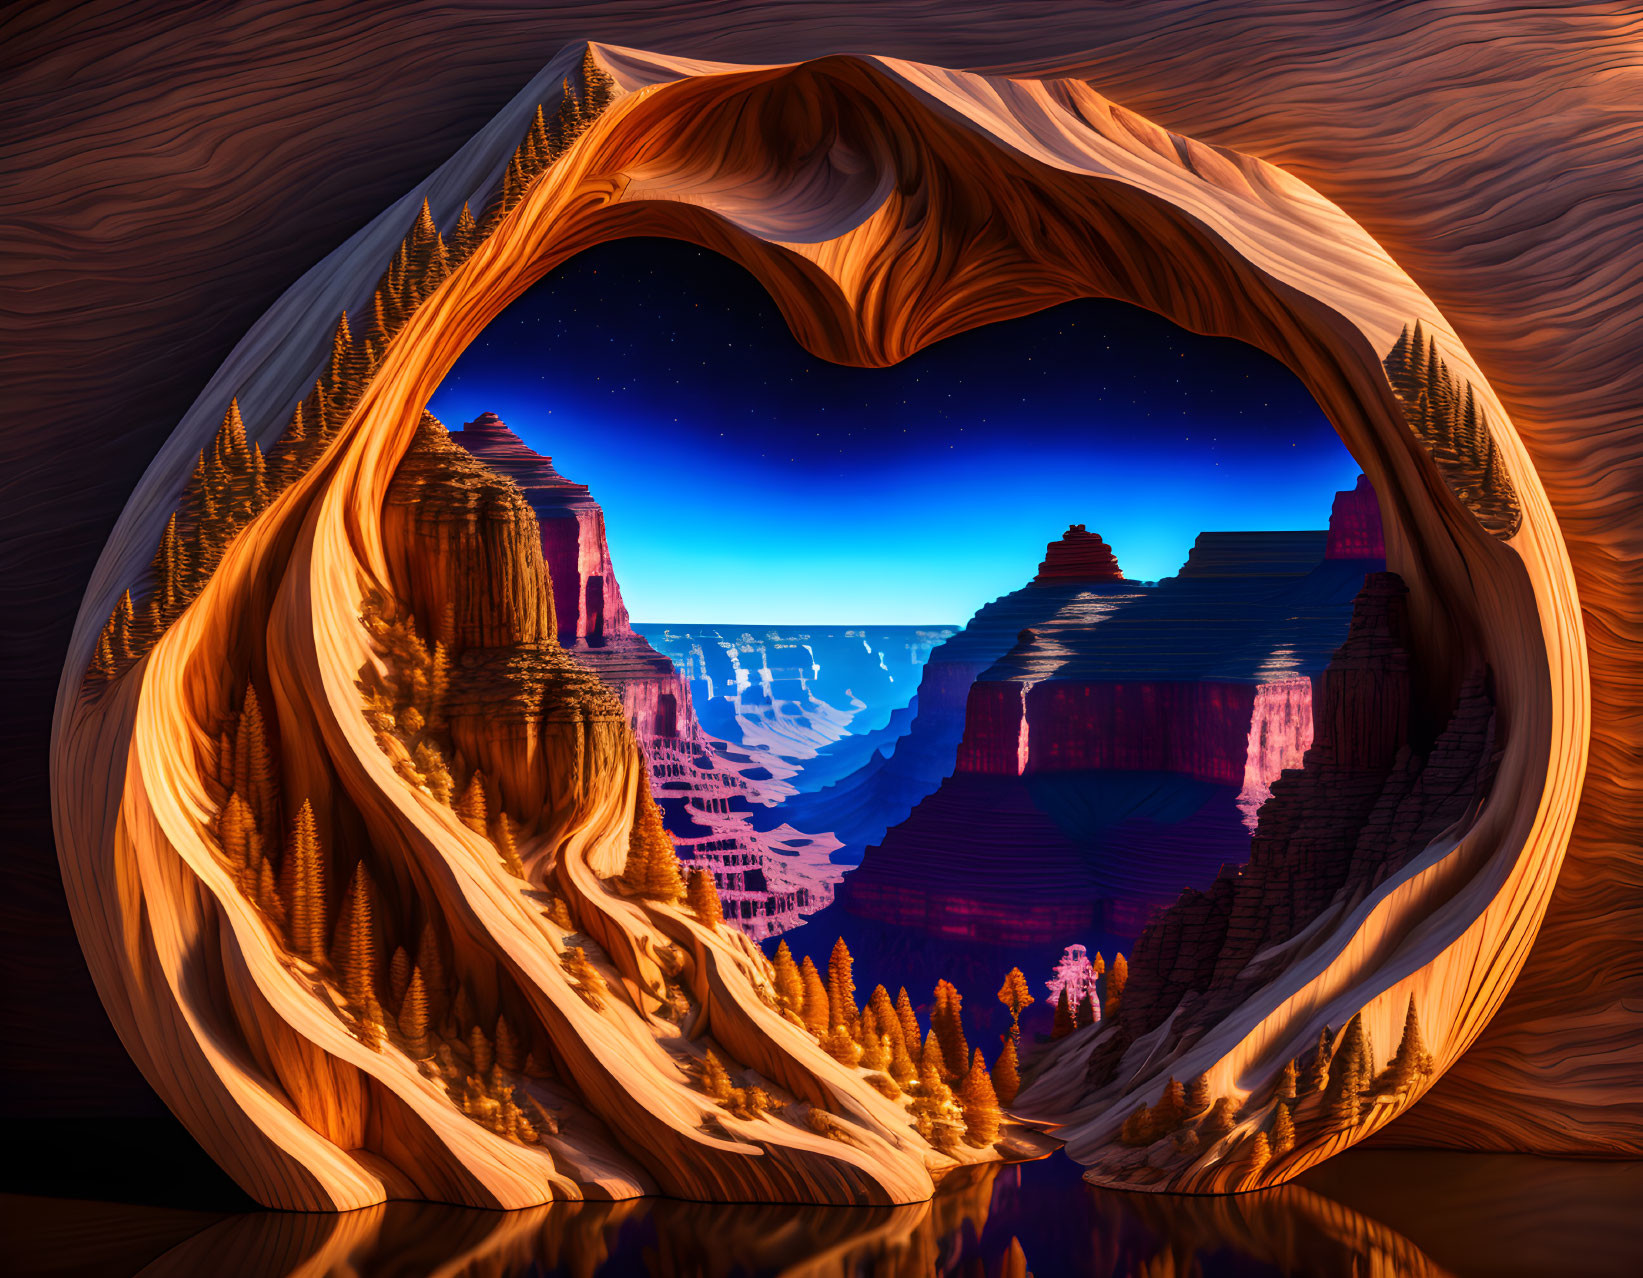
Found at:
<point>1079,555</point>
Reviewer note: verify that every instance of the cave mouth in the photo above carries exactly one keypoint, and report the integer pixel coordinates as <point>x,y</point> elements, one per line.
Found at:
<point>880,227</point>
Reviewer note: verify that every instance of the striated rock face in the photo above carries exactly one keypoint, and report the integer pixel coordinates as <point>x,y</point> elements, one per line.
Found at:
<point>1355,524</point>
<point>585,594</point>
<point>451,522</point>
<point>1367,799</point>
<point>767,878</point>
<point>1079,555</point>
<point>859,808</point>
<point>1106,756</point>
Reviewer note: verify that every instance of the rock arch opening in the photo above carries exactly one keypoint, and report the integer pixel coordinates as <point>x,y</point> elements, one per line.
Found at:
<point>883,206</point>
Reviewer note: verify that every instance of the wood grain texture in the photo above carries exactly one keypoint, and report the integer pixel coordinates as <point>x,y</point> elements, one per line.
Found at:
<point>1488,150</point>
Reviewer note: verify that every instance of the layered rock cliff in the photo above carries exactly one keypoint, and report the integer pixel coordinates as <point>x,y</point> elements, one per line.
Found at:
<point>1106,757</point>
<point>1079,572</point>
<point>768,878</point>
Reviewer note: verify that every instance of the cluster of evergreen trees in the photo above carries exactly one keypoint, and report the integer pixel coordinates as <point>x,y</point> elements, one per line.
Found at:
<point>411,1000</point>
<point>1443,411</point>
<point>1337,1082</point>
<point>233,482</point>
<point>885,1037</point>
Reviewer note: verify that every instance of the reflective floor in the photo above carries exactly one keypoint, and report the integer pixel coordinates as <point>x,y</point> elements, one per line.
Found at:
<point>134,1206</point>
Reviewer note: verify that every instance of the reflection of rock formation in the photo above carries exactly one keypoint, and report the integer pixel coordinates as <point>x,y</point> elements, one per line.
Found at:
<point>766,878</point>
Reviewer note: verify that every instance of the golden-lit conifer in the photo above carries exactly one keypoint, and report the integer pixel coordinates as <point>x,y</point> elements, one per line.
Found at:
<point>510,1055</point>
<point>1117,978</point>
<point>358,960</point>
<point>1007,1073</point>
<point>704,897</point>
<point>979,1100</point>
<point>910,1030</point>
<point>947,1022</point>
<point>470,808</point>
<point>506,846</point>
<point>815,1012</point>
<point>841,987</point>
<point>789,982</point>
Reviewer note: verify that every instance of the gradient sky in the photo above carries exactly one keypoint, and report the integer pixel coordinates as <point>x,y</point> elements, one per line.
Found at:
<point>745,480</point>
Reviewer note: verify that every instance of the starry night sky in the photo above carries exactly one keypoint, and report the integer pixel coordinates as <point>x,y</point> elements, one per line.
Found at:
<point>745,480</point>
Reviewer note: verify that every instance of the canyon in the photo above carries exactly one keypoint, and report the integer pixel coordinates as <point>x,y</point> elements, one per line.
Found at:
<point>768,877</point>
<point>1114,752</point>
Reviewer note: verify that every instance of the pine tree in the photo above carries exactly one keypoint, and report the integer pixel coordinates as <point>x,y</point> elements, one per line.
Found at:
<point>1007,1073</point>
<point>1064,1023</point>
<point>413,1013</point>
<point>1411,1059</point>
<point>238,830</point>
<point>465,237</point>
<point>268,896</point>
<point>1017,998</point>
<point>947,1021</point>
<point>506,848</point>
<point>1347,1075</point>
<point>359,960</point>
<point>901,1068</point>
<point>399,975</point>
<point>909,1022</point>
<point>170,572</point>
<point>124,639</point>
<point>841,987</point>
<point>307,890</point>
<point>479,1047</point>
<point>885,1015</point>
<point>1198,1095</point>
<point>1287,1082</point>
<point>597,87</point>
<point>1283,1131</point>
<point>470,808</point>
<point>1317,1070</point>
<point>789,982</point>
<point>814,1011</point>
<point>1117,979</point>
<point>509,1054</point>
<point>1258,1150</point>
<point>980,1104</point>
<point>254,775</point>
<point>1219,1121</point>
<point>439,685</point>
<point>1137,1128</point>
<point>432,966</point>
<point>704,898</point>
<point>871,1041</point>
<point>652,868</point>
<point>1171,1108</point>
<point>1397,361</point>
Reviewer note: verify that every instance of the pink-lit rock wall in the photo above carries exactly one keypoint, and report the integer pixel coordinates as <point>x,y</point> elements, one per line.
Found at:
<point>1199,729</point>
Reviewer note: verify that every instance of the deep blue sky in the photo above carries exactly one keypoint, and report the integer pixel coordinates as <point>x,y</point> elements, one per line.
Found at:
<point>745,480</point>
